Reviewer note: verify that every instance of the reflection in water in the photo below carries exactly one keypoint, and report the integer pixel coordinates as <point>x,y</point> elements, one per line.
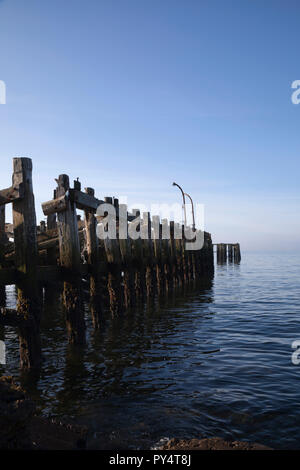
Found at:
<point>210,360</point>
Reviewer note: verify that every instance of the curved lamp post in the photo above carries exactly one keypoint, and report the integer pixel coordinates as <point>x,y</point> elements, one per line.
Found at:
<point>192,210</point>
<point>183,197</point>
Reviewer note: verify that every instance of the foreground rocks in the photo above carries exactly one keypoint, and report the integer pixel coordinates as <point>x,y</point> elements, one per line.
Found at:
<point>20,428</point>
<point>50,434</point>
<point>214,443</point>
<point>15,416</point>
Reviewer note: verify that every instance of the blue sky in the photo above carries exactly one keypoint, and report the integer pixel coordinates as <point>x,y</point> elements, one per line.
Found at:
<point>131,95</point>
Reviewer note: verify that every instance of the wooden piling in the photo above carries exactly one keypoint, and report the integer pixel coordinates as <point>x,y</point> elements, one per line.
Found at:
<point>230,252</point>
<point>28,305</point>
<point>126,256</point>
<point>69,253</point>
<point>114,274</point>
<point>221,253</point>
<point>166,258</point>
<point>93,263</point>
<point>3,241</point>
<point>157,247</point>
<point>138,262</point>
<point>236,253</point>
<point>148,256</point>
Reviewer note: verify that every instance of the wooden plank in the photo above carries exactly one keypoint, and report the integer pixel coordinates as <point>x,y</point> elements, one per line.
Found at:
<point>3,235</point>
<point>84,201</point>
<point>13,193</point>
<point>55,205</point>
<point>11,317</point>
<point>3,242</point>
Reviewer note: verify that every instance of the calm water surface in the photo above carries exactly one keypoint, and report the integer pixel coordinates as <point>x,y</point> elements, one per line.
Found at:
<point>211,361</point>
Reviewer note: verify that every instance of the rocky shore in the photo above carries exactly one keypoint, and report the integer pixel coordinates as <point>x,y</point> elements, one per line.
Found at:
<point>214,443</point>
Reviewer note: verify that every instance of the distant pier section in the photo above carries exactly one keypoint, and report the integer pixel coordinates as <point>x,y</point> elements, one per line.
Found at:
<point>227,252</point>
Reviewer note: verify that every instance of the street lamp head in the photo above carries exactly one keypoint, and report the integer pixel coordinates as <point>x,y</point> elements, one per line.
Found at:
<point>174,184</point>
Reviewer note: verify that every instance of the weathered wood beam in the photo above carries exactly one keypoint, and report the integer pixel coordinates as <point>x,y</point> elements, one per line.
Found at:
<point>11,317</point>
<point>84,201</point>
<point>3,235</point>
<point>9,276</point>
<point>69,253</point>
<point>13,193</point>
<point>26,255</point>
<point>93,263</point>
<point>55,205</point>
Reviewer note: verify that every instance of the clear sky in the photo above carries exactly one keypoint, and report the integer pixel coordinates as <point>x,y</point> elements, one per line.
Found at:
<point>131,95</point>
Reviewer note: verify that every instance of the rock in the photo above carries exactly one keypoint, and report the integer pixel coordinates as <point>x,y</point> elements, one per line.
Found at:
<point>16,412</point>
<point>50,434</point>
<point>214,443</point>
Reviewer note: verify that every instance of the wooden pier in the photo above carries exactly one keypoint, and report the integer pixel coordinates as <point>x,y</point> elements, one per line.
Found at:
<point>66,252</point>
<point>228,252</point>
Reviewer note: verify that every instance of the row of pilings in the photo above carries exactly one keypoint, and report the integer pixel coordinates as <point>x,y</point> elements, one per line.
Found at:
<point>228,252</point>
<point>67,254</point>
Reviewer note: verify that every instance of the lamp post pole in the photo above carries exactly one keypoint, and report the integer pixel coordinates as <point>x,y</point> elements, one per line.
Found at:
<point>183,197</point>
<point>193,213</point>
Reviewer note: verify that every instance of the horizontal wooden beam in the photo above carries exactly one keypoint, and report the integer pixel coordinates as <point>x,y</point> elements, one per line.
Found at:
<point>10,276</point>
<point>10,317</point>
<point>84,201</point>
<point>55,205</point>
<point>11,194</point>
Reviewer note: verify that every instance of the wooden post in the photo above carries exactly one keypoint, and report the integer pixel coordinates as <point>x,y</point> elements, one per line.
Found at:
<point>190,257</point>
<point>114,278</point>
<point>172,254</point>
<point>137,251</point>
<point>93,262</point>
<point>148,255</point>
<point>52,225</point>
<point>42,226</point>
<point>178,254</point>
<point>157,243</point>
<point>69,252</point>
<point>3,236</point>
<point>237,253</point>
<point>51,221</point>
<point>28,305</point>
<point>230,252</point>
<point>126,256</point>
<point>3,240</point>
<point>184,257</point>
<point>224,252</point>
<point>221,253</point>
<point>165,245</point>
